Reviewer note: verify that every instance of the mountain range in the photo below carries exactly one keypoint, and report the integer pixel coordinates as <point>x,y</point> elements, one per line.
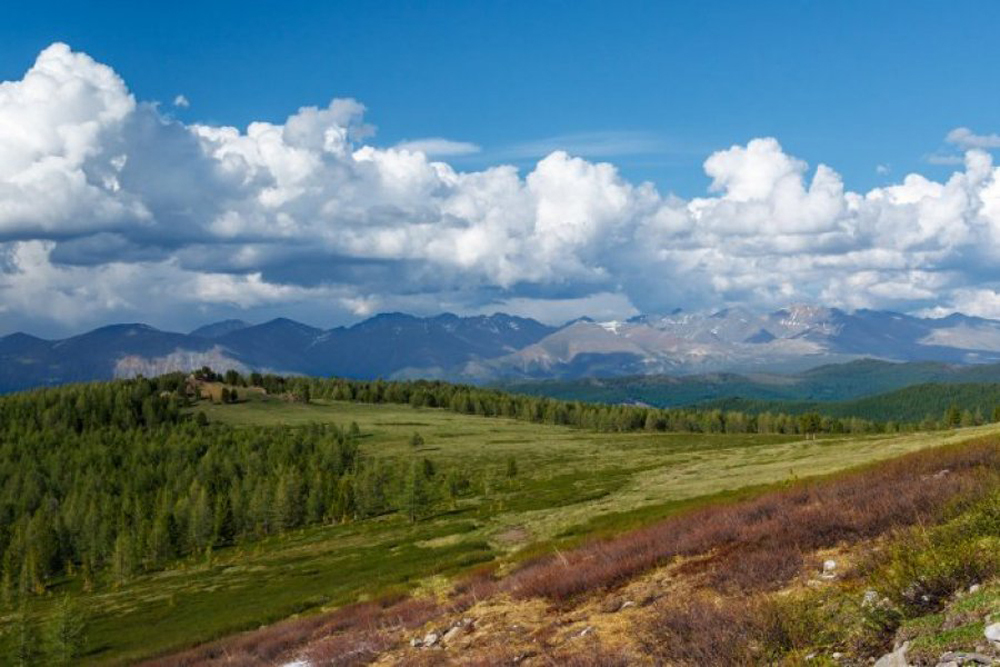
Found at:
<point>505,348</point>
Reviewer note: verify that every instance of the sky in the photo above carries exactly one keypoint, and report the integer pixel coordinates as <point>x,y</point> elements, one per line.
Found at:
<point>328,161</point>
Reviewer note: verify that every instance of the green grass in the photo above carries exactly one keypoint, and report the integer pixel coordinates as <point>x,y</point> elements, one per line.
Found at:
<point>571,484</point>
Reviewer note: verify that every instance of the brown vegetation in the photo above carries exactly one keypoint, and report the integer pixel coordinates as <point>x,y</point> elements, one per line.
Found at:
<point>759,544</point>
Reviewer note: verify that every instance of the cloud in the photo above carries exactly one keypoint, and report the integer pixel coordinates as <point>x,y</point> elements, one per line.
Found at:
<point>181,102</point>
<point>110,210</point>
<point>944,159</point>
<point>882,169</point>
<point>965,139</point>
<point>587,144</point>
<point>438,147</point>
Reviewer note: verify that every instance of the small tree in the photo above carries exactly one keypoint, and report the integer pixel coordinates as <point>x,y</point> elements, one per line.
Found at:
<point>416,440</point>
<point>511,467</point>
<point>953,416</point>
<point>65,632</point>
<point>415,493</point>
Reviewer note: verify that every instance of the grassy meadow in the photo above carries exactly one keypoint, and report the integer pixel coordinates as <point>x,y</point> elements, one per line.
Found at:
<point>569,484</point>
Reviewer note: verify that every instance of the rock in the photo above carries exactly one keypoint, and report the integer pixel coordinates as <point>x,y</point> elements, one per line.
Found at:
<point>431,638</point>
<point>626,605</point>
<point>895,659</point>
<point>992,633</point>
<point>829,565</point>
<point>836,655</point>
<point>957,658</point>
<point>974,588</point>
<point>870,599</point>
<point>453,633</point>
<point>415,642</point>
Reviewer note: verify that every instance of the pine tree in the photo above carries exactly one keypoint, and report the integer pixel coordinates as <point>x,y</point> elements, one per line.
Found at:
<point>415,493</point>
<point>122,559</point>
<point>201,523</point>
<point>953,416</point>
<point>416,440</point>
<point>224,530</point>
<point>288,500</point>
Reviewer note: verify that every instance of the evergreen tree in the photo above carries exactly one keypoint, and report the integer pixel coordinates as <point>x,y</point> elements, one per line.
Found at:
<point>224,529</point>
<point>416,440</point>
<point>122,559</point>
<point>288,501</point>
<point>953,416</point>
<point>201,522</point>
<point>416,498</point>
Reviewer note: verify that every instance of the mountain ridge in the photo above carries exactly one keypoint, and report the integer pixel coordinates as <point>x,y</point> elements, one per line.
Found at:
<point>507,348</point>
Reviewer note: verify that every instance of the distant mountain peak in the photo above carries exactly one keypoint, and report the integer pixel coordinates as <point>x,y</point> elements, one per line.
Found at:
<point>500,346</point>
<point>221,328</point>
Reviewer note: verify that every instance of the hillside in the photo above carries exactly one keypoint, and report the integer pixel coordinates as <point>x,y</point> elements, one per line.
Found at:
<point>832,382</point>
<point>910,404</point>
<point>781,577</point>
<point>391,513</point>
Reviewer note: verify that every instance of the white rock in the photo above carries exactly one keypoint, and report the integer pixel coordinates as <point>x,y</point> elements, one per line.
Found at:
<point>430,639</point>
<point>895,659</point>
<point>992,633</point>
<point>829,565</point>
<point>452,634</point>
<point>974,588</point>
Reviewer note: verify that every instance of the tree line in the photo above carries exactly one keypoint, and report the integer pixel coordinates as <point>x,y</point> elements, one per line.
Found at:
<point>114,479</point>
<point>488,402</point>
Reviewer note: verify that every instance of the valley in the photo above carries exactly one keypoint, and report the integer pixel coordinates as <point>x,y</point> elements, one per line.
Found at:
<point>567,486</point>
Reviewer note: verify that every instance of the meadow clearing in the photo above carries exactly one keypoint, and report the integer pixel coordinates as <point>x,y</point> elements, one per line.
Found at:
<point>570,484</point>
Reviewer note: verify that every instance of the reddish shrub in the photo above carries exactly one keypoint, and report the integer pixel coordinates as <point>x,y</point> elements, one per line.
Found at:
<point>697,631</point>
<point>758,543</point>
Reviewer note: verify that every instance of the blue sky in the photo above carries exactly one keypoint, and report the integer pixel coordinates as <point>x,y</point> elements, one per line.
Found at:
<point>185,162</point>
<point>852,84</point>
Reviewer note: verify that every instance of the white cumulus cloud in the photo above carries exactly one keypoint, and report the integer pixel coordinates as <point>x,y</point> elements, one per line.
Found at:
<point>111,210</point>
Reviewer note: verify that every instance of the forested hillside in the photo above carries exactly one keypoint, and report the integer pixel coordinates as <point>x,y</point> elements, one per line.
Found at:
<point>123,477</point>
<point>929,405</point>
<point>832,382</point>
